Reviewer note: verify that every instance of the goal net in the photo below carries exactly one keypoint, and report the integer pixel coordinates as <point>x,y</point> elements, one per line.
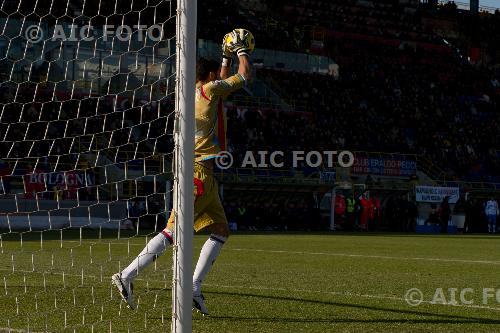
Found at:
<point>86,118</point>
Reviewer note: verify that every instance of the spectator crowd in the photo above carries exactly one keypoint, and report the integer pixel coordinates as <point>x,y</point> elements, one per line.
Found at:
<point>401,89</point>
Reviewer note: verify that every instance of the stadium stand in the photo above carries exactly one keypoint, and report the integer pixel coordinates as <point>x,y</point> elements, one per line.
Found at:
<point>404,86</point>
<point>412,79</point>
<point>395,76</point>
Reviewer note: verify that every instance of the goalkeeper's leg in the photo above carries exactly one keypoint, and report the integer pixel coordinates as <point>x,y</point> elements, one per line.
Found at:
<point>213,219</point>
<point>208,254</point>
<point>124,280</point>
<point>155,248</point>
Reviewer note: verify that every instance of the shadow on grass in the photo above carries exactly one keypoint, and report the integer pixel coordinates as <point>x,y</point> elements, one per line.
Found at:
<point>434,318</point>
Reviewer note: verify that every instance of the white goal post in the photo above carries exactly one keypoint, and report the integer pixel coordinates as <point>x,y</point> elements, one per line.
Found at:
<point>182,292</point>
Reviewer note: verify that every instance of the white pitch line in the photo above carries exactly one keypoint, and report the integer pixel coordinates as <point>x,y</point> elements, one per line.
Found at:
<point>487,262</point>
<point>470,261</point>
<point>16,330</point>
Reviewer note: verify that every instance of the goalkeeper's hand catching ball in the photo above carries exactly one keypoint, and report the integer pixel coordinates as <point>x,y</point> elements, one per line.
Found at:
<point>239,42</point>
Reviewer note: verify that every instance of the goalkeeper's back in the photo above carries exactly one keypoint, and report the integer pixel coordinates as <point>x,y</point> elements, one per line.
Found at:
<point>211,124</point>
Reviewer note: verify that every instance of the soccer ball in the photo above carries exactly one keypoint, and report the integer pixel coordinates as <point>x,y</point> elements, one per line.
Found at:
<point>247,38</point>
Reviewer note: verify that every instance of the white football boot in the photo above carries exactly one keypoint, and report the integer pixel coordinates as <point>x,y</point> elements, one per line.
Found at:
<point>126,289</point>
<point>199,304</point>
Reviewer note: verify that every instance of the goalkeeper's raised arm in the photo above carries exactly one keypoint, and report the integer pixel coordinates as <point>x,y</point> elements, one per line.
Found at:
<point>239,42</point>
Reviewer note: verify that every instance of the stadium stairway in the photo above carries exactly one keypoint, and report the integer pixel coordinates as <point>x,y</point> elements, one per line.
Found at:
<point>430,170</point>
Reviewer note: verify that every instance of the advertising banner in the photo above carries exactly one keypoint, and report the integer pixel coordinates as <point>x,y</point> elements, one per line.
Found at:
<point>394,166</point>
<point>436,194</point>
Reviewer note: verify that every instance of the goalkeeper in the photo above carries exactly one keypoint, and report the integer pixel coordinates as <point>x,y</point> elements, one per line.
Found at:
<point>213,85</point>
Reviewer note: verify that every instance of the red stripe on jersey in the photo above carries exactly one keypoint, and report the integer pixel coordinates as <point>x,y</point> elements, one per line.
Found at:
<point>220,124</point>
<point>203,94</point>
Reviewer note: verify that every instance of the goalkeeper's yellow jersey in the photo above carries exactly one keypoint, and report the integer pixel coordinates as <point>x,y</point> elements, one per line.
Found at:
<point>211,122</point>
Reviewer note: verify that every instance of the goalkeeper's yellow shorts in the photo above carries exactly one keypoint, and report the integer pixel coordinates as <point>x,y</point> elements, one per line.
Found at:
<point>208,209</point>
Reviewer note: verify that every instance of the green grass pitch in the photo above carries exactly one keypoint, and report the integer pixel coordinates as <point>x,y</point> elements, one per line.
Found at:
<point>260,283</point>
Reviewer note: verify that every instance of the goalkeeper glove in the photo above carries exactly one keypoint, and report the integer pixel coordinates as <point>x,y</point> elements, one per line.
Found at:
<point>237,44</point>
<point>227,55</point>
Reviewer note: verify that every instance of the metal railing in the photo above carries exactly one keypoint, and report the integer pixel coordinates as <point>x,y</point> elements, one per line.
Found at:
<point>430,168</point>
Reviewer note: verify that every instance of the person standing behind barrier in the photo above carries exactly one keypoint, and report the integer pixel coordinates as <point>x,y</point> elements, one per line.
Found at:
<point>444,214</point>
<point>366,211</point>
<point>350,211</point>
<point>491,211</point>
<point>377,209</point>
<point>340,209</point>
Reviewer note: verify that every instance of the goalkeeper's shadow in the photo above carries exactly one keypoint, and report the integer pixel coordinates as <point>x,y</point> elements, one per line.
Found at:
<point>274,317</point>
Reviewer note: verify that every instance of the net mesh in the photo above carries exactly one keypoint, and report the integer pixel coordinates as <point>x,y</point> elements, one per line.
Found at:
<point>86,117</point>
